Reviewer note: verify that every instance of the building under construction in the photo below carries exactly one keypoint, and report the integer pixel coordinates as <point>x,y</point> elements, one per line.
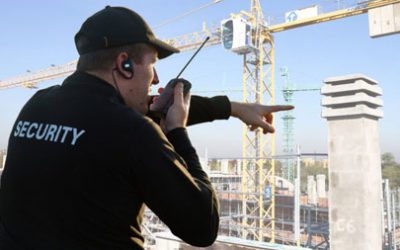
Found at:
<point>313,210</point>
<point>225,174</point>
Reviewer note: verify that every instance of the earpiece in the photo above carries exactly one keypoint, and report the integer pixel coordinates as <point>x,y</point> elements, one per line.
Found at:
<point>127,66</point>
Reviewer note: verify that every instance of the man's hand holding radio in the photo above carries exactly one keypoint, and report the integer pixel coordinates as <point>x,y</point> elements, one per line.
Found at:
<point>178,112</point>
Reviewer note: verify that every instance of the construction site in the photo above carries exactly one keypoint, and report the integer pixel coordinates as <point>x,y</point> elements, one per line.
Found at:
<point>266,200</point>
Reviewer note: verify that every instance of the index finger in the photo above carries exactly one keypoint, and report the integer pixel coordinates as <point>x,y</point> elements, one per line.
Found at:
<point>178,93</point>
<point>277,108</point>
<point>269,117</point>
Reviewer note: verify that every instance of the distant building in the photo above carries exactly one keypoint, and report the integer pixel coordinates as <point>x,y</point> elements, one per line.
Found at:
<point>224,166</point>
<point>204,164</point>
<point>312,161</point>
<point>283,185</point>
<point>239,167</point>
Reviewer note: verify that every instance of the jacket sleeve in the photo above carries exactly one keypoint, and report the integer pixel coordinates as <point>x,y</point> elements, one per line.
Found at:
<point>204,109</point>
<point>173,185</point>
<point>207,109</point>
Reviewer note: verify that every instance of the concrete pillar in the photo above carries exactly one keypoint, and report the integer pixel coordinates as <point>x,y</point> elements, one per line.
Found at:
<point>311,190</point>
<point>352,109</point>
<point>239,167</point>
<point>225,166</point>
<point>321,191</point>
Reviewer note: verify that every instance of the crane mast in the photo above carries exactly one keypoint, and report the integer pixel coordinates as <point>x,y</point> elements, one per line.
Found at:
<point>258,175</point>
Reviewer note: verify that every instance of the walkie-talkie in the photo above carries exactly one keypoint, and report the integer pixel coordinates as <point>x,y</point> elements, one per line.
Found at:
<point>166,98</point>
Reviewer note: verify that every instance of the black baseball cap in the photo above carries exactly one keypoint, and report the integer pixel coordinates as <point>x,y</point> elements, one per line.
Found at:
<point>118,26</point>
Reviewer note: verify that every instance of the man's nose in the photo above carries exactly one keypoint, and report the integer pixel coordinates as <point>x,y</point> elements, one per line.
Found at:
<point>155,77</point>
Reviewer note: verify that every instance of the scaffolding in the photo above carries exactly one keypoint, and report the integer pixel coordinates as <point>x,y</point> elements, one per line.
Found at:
<point>226,177</point>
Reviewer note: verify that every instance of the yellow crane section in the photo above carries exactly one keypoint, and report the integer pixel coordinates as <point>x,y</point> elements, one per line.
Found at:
<point>30,80</point>
<point>358,9</point>
<point>193,40</point>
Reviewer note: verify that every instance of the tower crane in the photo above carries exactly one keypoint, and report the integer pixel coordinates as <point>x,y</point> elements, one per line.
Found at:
<point>258,219</point>
<point>288,90</point>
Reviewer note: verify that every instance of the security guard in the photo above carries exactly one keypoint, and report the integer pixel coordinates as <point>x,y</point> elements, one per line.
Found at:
<point>84,159</point>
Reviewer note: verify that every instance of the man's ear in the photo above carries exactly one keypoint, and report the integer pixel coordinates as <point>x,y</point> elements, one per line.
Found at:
<point>124,65</point>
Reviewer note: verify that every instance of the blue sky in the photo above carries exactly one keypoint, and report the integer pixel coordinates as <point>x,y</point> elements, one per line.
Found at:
<point>36,34</point>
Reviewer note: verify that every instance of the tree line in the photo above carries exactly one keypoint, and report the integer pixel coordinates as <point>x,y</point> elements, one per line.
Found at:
<point>390,170</point>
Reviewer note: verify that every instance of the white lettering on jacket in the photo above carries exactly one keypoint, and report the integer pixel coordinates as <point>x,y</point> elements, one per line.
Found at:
<point>48,132</point>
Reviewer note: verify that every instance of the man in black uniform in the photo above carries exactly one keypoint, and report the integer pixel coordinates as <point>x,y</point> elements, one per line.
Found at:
<point>83,158</point>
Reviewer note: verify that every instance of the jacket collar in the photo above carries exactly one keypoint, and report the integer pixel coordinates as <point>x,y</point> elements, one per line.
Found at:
<point>93,84</point>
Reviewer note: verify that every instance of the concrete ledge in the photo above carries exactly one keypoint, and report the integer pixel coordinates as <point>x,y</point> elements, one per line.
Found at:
<point>348,79</point>
<point>358,98</point>
<point>351,88</point>
<point>166,240</point>
<point>359,110</point>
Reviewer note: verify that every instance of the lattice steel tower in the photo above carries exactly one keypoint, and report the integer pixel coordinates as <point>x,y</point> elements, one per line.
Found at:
<point>288,121</point>
<point>258,221</point>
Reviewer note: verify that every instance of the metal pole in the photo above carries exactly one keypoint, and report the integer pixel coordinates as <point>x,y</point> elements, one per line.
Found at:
<point>297,200</point>
<point>383,210</point>
<point>388,212</point>
<point>394,220</point>
<point>396,210</point>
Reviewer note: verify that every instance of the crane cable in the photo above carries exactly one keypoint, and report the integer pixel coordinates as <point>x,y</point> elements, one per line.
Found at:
<point>186,14</point>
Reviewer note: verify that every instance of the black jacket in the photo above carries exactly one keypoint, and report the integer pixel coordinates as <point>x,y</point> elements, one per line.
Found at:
<point>81,165</point>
